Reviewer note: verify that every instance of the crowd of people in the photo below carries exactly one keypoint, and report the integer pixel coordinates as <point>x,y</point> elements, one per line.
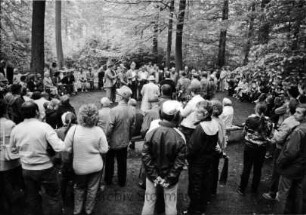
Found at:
<point>183,126</point>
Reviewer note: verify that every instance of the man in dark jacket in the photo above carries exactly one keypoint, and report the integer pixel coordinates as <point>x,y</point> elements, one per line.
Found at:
<point>200,155</point>
<point>292,164</point>
<point>163,156</point>
<point>64,107</point>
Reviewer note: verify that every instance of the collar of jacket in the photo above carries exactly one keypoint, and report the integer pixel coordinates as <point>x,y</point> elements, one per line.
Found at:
<point>166,123</point>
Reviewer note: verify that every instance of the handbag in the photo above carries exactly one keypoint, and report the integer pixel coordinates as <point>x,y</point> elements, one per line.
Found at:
<point>6,150</point>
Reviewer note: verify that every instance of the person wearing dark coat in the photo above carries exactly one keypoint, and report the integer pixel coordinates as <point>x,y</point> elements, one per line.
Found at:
<point>52,113</point>
<point>64,107</point>
<point>200,155</point>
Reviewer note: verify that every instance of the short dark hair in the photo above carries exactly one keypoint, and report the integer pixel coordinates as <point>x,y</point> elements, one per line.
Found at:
<point>166,90</point>
<point>29,109</point>
<point>3,108</point>
<point>16,89</point>
<point>261,108</point>
<point>293,103</point>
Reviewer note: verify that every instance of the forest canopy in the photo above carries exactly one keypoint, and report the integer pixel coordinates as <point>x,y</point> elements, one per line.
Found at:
<point>252,35</point>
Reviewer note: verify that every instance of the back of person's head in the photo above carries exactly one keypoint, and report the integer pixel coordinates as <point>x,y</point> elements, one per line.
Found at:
<point>69,118</point>
<point>132,102</point>
<point>166,90</point>
<point>293,91</point>
<point>195,87</point>
<point>302,99</point>
<point>16,89</point>
<point>184,73</point>
<point>261,108</point>
<point>204,110</point>
<point>170,111</point>
<point>36,95</point>
<point>88,115</point>
<point>105,102</point>
<point>204,74</point>
<point>293,103</point>
<point>65,99</point>
<point>29,109</point>
<point>227,102</point>
<point>3,108</point>
<point>167,74</point>
<point>217,107</point>
<point>45,95</point>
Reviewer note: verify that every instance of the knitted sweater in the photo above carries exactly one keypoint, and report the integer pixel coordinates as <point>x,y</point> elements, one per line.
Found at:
<point>87,145</point>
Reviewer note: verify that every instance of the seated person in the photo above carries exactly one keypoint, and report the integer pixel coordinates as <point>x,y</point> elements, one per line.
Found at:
<point>48,84</point>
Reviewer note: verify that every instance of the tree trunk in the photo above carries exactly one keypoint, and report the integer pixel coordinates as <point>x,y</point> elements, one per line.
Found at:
<point>58,33</point>
<point>250,35</point>
<point>170,29</point>
<point>222,41</point>
<point>155,37</point>
<point>38,31</point>
<point>179,36</point>
<point>296,29</point>
<point>264,29</point>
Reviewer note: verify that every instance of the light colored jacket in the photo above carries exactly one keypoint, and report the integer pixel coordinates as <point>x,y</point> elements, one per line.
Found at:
<point>280,135</point>
<point>121,126</point>
<point>6,127</point>
<point>87,145</point>
<point>31,137</point>
<point>149,91</point>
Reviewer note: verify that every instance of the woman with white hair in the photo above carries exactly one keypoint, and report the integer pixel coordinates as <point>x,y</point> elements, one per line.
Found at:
<point>227,115</point>
<point>88,142</point>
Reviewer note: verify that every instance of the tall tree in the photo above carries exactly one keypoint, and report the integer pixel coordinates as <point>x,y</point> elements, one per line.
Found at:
<point>58,33</point>
<point>179,36</point>
<point>222,40</point>
<point>264,29</point>
<point>155,35</point>
<point>250,33</point>
<point>38,30</point>
<point>170,29</point>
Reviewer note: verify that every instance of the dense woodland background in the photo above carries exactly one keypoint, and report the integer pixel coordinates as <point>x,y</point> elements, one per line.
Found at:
<point>251,35</point>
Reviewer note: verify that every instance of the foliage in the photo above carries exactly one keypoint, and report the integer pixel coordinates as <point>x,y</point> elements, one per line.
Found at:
<point>15,32</point>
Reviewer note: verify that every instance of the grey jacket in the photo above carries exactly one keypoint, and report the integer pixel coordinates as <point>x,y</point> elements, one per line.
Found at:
<point>121,126</point>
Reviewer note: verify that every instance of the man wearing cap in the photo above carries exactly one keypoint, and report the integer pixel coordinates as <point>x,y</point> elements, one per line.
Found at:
<point>119,133</point>
<point>104,113</point>
<point>163,156</point>
<point>149,91</point>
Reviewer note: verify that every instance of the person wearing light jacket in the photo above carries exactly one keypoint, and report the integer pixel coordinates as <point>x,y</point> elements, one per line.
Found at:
<point>87,142</point>
<point>31,139</point>
<point>279,138</point>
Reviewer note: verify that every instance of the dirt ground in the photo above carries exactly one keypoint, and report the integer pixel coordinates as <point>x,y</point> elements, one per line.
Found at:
<point>129,200</point>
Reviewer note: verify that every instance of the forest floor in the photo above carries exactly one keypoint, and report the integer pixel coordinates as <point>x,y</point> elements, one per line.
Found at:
<point>129,199</point>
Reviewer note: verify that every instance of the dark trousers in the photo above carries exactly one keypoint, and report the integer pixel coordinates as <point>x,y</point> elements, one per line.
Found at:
<point>42,187</point>
<point>275,175</point>
<point>199,186</point>
<point>214,173</point>
<point>304,195</point>
<point>11,191</point>
<point>121,156</point>
<point>253,157</point>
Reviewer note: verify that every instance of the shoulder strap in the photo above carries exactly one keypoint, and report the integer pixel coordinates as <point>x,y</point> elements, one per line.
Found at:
<point>73,138</point>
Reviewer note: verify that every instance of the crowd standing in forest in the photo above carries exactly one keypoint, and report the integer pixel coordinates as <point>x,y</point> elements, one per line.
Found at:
<point>183,126</point>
